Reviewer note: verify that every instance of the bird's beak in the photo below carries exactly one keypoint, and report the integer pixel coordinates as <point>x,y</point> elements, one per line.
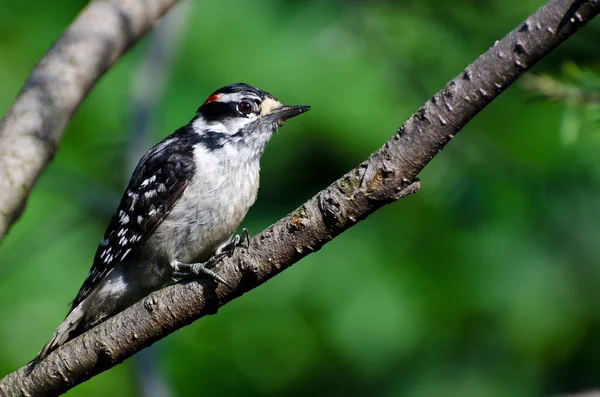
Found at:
<point>281,114</point>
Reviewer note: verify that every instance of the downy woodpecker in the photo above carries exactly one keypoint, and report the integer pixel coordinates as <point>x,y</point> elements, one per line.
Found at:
<point>185,199</point>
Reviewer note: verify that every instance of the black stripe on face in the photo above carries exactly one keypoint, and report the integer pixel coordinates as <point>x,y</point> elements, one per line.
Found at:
<point>212,141</point>
<point>214,111</point>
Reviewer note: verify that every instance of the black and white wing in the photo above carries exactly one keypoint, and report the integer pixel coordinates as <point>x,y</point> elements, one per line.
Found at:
<point>156,185</point>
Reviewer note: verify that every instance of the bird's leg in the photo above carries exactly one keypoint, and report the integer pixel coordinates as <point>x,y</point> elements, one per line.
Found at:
<point>183,271</point>
<point>229,247</point>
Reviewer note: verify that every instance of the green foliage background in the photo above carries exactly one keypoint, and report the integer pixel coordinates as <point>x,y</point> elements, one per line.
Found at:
<point>484,283</point>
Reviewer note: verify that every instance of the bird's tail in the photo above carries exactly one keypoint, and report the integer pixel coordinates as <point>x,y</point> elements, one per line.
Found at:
<point>65,332</point>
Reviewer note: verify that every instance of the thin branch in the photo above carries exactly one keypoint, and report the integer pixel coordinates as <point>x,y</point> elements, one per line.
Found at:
<point>384,177</point>
<point>32,128</point>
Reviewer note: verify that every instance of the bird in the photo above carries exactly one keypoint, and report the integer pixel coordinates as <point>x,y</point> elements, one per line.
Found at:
<point>184,201</point>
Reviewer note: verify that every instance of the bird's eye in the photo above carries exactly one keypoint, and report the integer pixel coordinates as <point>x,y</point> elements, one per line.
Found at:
<point>245,107</point>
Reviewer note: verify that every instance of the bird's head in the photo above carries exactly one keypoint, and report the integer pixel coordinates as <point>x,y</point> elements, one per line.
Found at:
<point>240,112</point>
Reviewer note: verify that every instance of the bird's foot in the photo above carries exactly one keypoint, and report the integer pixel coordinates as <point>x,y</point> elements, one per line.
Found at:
<point>182,271</point>
<point>229,247</point>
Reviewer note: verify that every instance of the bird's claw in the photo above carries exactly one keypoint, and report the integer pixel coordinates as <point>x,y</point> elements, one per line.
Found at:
<point>228,248</point>
<point>183,271</point>
<point>244,241</point>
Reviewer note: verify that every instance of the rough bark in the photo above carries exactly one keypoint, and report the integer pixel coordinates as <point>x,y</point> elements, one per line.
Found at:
<point>387,175</point>
<point>32,128</point>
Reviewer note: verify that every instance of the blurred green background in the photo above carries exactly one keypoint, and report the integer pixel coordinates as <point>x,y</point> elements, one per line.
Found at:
<point>487,282</point>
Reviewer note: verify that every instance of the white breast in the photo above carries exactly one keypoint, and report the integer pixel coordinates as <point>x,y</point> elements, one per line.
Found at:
<point>212,207</point>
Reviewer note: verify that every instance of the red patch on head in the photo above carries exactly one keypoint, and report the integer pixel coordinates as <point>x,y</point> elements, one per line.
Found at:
<point>212,97</point>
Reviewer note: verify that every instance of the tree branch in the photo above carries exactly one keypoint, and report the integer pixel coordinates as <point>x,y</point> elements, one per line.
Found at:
<point>32,128</point>
<point>384,177</point>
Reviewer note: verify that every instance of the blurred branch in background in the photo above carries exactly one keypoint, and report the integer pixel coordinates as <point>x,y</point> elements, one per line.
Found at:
<point>31,130</point>
<point>577,89</point>
<point>150,79</point>
<point>388,174</point>
<point>147,90</point>
<point>574,85</point>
